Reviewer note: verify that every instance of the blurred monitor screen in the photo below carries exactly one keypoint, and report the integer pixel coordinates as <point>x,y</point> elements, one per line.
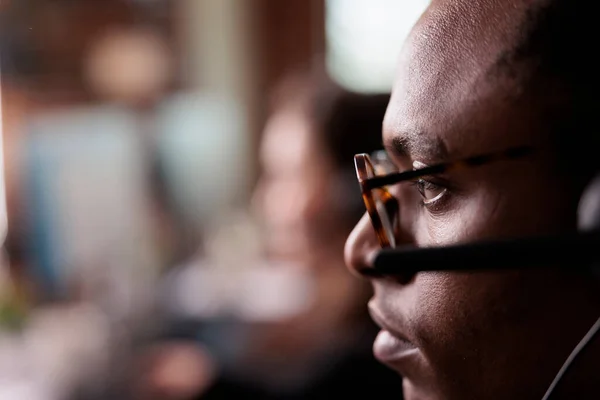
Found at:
<point>87,193</point>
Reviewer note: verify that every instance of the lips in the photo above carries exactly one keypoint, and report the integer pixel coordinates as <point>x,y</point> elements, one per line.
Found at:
<point>390,346</point>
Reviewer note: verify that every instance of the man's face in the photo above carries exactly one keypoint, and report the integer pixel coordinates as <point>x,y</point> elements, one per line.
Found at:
<point>480,335</point>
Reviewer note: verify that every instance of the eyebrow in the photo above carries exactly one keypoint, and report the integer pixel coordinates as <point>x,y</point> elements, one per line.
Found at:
<point>417,145</point>
<point>511,153</point>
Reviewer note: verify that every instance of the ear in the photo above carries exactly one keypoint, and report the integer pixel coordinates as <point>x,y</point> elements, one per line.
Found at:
<point>589,206</point>
<point>589,213</point>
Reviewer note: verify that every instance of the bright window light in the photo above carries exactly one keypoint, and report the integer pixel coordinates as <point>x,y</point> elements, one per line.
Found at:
<point>364,38</point>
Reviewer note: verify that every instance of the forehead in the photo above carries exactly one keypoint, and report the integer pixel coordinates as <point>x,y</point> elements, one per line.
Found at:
<point>446,96</point>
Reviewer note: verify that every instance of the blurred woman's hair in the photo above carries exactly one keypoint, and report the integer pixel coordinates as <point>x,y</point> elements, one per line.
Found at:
<point>344,123</point>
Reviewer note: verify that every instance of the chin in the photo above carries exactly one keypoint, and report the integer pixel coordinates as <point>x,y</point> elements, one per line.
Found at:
<point>413,393</point>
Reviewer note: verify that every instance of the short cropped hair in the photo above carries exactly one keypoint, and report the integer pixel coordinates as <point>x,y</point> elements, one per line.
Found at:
<point>556,49</point>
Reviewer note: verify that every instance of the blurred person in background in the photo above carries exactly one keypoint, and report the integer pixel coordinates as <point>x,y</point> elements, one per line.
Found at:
<point>306,201</point>
<point>304,198</point>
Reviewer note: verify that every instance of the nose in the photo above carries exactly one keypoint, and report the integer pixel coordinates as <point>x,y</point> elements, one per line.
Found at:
<point>361,247</point>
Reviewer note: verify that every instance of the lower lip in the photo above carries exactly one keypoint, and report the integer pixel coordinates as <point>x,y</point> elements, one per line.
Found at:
<point>388,348</point>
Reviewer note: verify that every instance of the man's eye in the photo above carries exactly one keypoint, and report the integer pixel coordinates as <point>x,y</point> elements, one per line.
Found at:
<point>430,192</point>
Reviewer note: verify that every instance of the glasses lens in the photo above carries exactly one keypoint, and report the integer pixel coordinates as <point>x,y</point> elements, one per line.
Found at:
<point>381,205</point>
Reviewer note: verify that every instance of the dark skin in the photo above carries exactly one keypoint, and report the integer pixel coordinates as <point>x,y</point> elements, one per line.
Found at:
<point>480,335</point>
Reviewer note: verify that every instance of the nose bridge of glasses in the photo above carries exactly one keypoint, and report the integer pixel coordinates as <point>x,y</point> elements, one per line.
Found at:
<point>382,163</point>
<point>389,213</point>
<point>377,164</point>
<point>364,167</point>
<point>383,166</point>
<point>382,206</point>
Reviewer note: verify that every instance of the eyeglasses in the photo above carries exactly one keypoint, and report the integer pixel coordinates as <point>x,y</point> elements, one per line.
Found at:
<point>376,172</point>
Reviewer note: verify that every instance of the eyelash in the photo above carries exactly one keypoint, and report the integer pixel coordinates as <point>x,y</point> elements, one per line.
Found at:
<point>421,184</point>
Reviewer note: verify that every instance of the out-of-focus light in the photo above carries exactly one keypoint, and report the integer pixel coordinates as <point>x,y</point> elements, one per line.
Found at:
<point>364,38</point>
<point>129,65</point>
<point>3,217</point>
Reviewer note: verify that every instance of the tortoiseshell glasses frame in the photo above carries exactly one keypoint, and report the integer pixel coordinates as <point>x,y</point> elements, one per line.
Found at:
<point>376,172</point>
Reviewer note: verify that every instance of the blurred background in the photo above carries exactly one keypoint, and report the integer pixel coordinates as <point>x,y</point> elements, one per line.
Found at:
<point>178,184</point>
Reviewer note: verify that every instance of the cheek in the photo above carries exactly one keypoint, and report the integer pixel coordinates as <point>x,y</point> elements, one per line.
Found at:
<point>462,221</point>
<point>457,315</point>
<point>440,301</point>
<point>445,291</point>
<point>461,218</point>
<point>486,213</point>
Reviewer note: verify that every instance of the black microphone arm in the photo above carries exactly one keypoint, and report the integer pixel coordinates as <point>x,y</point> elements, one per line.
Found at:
<point>575,250</point>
